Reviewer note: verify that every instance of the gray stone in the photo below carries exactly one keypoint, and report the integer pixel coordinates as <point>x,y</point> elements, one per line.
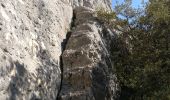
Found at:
<point>30,45</point>
<point>87,69</point>
<point>32,39</point>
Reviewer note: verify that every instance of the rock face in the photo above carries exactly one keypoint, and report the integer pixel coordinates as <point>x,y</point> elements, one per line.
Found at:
<point>30,45</point>
<point>32,41</point>
<point>87,69</point>
<point>91,3</point>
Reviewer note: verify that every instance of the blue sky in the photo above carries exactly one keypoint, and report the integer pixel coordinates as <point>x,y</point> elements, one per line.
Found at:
<point>135,3</point>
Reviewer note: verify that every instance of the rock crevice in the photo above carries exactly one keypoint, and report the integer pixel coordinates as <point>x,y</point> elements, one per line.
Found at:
<point>63,44</point>
<point>87,68</point>
<point>39,62</point>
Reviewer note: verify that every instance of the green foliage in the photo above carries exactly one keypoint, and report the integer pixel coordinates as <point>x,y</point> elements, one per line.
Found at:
<point>105,16</point>
<point>125,9</point>
<point>142,56</point>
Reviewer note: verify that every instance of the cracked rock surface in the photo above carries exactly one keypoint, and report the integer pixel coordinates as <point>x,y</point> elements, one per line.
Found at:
<point>32,33</point>
<point>87,70</point>
<point>30,45</point>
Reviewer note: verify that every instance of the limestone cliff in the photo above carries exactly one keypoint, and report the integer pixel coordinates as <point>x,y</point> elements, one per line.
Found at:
<point>87,69</point>
<point>38,61</point>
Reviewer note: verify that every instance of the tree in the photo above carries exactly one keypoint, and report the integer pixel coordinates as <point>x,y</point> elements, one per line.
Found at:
<point>142,56</point>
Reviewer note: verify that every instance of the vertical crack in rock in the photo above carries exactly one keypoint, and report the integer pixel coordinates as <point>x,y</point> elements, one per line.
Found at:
<point>86,67</point>
<point>30,43</point>
<point>64,44</point>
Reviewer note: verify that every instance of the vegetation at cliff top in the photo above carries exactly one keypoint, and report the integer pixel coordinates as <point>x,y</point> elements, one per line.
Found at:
<point>141,53</point>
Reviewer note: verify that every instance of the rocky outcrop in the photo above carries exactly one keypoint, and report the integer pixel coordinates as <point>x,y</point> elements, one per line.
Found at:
<point>94,4</point>
<point>32,39</point>
<point>87,69</point>
<point>30,45</point>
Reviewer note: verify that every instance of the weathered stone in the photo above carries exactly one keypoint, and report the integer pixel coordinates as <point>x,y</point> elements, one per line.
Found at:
<point>87,70</point>
<point>32,37</point>
<point>30,45</point>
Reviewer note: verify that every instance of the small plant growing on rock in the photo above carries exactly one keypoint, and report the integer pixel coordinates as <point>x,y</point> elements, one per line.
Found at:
<point>106,17</point>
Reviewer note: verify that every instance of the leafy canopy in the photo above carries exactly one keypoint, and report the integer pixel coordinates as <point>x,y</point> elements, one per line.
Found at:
<point>141,53</point>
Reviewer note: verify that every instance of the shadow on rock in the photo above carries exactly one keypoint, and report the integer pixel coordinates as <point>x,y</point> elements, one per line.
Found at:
<point>18,82</point>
